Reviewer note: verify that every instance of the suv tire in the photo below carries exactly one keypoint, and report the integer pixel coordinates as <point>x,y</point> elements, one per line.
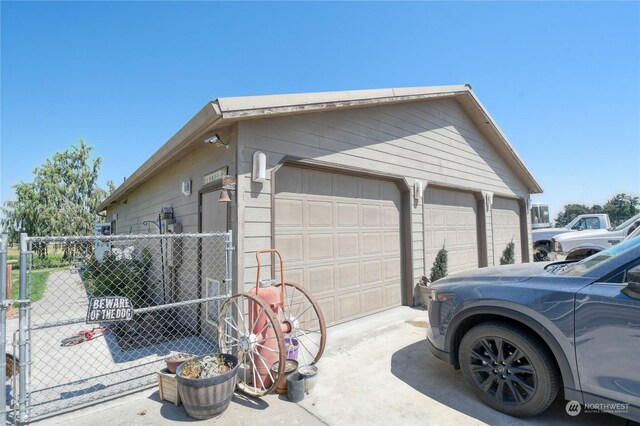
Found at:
<point>508,369</point>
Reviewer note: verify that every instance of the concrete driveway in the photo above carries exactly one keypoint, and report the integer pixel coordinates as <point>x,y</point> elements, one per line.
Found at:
<point>376,370</point>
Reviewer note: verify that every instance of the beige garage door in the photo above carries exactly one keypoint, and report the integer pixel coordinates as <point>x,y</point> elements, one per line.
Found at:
<point>340,238</point>
<point>450,219</point>
<point>506,227</point>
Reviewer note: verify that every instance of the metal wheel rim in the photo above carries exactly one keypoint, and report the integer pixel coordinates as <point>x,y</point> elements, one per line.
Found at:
<point>235,330</point>
<point>502,371</point>
<point>541,254</point>
<point>307,321</point>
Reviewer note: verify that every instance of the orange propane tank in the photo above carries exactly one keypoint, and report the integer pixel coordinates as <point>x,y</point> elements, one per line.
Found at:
<point>267,351</point>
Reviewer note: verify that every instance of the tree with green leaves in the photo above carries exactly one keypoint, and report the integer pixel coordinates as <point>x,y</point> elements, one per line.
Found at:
<point>621,207</point>
<point>439,269</point>
<point>570,212</point>
<point>509,254</point>
<point>62,198</point>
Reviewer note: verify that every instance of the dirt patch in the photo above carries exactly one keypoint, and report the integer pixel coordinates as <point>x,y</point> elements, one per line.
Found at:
<point>419,324</point>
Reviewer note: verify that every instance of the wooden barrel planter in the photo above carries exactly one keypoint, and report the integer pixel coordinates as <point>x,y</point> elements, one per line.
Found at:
<point>207,397</point>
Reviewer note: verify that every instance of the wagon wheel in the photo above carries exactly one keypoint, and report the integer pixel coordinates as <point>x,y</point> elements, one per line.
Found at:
<point>302,320</point>
<point>249,329</point>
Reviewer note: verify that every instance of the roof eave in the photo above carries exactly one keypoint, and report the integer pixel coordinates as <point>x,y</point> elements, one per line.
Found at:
<point>533,184</point>
<point>226,110</point>
<point>249,107</point>
<point>205,120</point>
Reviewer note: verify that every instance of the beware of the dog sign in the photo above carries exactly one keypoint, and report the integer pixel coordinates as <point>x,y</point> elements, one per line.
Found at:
<point>112,309</point>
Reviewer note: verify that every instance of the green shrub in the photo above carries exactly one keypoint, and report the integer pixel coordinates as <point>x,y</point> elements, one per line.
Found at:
<point>119,277</point>
<point>508,255</point>
<point>439,269</point>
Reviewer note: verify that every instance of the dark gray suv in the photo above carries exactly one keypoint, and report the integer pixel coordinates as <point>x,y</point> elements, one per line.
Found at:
<point>520,333</point>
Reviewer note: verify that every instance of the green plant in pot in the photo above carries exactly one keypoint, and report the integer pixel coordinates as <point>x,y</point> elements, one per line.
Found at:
<point>206,384</point>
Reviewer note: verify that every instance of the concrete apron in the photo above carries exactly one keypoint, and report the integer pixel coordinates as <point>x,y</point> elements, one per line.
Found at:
<point>376,370</point>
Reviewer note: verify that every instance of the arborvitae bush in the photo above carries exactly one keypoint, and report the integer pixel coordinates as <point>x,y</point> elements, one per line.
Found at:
<point>439,268</point>
<point>508,255</point>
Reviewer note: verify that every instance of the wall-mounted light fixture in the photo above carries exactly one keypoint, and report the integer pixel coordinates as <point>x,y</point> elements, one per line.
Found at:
<point>228,187</point>
<point>186,187</point>
<point>488,199</point>
<point>259,174</point>
<point>418,190</point>
<point>216,140</point>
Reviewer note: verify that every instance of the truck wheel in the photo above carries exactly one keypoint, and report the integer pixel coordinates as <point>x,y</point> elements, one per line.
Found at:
<point>580,254</point>
<point>541,254</point>
<point>508,369</point>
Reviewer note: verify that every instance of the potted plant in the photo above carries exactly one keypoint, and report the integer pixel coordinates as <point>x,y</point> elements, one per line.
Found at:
<point>175,360</point>
<point>206,384</point>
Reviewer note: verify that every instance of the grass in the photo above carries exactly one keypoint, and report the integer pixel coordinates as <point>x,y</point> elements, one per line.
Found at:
<point>42,267</point>
<point>38,284</point>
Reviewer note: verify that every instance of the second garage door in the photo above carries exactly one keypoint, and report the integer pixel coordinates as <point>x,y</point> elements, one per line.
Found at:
<point>340,238</point>
<point>450,220</point>
<point>506,227</point>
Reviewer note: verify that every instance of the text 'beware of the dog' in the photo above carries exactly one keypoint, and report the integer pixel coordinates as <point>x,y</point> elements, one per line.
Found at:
<point>112,309</point>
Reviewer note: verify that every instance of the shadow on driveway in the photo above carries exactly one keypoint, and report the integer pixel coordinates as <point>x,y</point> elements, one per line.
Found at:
<point>416,367</point>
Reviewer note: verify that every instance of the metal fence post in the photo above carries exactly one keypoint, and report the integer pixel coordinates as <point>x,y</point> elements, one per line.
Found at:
<point>22,334</point>
<point>229,262</point>
<point>3,328</point>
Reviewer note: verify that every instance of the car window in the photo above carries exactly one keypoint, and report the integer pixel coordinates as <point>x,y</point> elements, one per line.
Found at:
<point>585,266</point>
<point>592,223</point>
<point>627,222</point>
<point>634,234</point>
<point>579,224</point>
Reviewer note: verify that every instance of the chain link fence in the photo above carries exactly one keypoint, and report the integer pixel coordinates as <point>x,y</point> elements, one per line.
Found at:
<point>70,356</point>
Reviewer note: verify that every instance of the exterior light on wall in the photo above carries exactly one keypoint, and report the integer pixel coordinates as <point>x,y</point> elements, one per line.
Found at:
<point>216,140</point>
<point>186,187</point>
<point>259,174</point>
<point>418,190</point>
<point>488,199</point>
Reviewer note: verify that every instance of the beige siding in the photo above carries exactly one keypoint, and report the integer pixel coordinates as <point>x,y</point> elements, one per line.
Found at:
<point>165,190</point>
<point>432,141</point>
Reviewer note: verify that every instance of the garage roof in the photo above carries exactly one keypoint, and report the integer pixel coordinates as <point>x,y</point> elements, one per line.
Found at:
<point>224,111</point>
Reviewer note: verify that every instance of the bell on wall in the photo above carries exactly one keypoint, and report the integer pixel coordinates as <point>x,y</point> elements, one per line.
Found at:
<point>224,197</point>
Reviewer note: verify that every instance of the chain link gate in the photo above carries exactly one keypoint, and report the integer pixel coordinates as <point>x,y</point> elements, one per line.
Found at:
<point>176,284</point>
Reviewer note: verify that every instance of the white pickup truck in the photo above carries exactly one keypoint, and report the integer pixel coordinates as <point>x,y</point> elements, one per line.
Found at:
<point>542,238</point>
<point>578,245</point>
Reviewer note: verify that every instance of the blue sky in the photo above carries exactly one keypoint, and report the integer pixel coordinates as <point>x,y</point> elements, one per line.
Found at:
<point>561,79</point>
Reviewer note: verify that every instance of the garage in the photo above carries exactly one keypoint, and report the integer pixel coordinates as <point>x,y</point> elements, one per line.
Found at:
<point>340,236</point>
<point>506,227</point>
<point>359,189</point>
<point>450,220</point>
